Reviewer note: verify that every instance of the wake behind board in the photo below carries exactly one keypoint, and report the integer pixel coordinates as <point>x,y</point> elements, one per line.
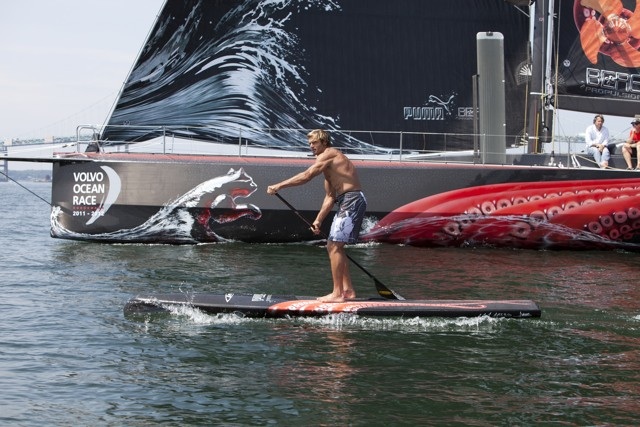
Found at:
<point>265,305</point>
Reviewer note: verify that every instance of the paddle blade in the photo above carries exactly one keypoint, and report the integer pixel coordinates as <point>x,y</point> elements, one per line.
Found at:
<point>385,292</point>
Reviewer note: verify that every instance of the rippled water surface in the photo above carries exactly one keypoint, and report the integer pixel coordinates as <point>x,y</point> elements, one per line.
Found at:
<point>69,355</point>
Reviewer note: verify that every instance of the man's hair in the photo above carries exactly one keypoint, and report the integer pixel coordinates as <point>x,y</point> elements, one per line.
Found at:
<point>596,118</point>
<point>320,135</point>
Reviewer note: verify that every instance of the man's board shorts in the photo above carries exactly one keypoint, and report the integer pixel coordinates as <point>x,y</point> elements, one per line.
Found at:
<point>348,220</point>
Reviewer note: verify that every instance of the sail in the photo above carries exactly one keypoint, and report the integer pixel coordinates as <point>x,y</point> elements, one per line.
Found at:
<point>598,61</point>
<point>221,66</point>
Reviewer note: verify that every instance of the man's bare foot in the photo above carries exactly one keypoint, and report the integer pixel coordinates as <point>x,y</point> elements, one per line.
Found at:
<point>331,298</point>
<point>349,294</point>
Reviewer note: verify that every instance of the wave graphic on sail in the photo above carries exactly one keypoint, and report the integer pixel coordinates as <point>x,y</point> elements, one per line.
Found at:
<point>243,71</point>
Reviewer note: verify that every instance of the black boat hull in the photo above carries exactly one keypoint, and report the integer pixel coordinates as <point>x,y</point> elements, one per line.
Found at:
<point>190,199</point>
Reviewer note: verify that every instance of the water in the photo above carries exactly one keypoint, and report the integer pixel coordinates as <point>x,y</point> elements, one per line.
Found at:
<point>69,356</point>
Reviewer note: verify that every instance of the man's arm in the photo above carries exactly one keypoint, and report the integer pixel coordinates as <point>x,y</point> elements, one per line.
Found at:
<point>303,177</point>
<point>588,138</point>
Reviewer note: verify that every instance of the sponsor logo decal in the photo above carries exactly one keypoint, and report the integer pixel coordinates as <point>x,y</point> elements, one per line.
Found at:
<point>612,83</point>
<point>438,108</point>
<point>94,193</point>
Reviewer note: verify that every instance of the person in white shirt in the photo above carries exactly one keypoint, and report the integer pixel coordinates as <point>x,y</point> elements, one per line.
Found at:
<point>596,139</point>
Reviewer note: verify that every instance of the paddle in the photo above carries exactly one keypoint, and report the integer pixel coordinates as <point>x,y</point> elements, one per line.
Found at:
<point>383,291</point>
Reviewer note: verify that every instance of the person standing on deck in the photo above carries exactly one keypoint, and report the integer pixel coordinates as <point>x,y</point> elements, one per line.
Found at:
<point>342,187</point>
<point>596,139</point>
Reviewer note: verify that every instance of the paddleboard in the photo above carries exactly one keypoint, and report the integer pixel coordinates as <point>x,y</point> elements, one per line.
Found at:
<point>273,306</point>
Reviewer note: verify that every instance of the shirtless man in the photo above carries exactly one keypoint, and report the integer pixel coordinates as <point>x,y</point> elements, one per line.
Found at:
<point>342,186</point>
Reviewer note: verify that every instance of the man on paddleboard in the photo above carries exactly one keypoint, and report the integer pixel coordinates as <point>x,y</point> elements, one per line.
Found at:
<point>342,187</point>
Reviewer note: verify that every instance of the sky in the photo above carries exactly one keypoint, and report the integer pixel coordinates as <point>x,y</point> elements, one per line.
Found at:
<point>63,62</point>
<point>571,123</point>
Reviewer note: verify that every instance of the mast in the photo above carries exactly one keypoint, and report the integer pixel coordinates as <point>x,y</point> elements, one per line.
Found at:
<point>540,117</point>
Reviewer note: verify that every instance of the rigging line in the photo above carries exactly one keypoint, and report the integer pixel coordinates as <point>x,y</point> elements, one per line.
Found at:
<point>37,195</point>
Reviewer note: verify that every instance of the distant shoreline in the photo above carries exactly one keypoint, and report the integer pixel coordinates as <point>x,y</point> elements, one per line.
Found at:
<point>32,175</point>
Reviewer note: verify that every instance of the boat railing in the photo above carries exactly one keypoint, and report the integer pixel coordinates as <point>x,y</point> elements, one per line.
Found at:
<point>395,145</point>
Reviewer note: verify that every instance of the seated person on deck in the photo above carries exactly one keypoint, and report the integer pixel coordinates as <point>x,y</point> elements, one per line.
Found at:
<point>632,144</point>
<point>596,139</point>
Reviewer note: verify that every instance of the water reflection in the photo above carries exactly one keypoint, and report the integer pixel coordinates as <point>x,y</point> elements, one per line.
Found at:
<point>320,371</point>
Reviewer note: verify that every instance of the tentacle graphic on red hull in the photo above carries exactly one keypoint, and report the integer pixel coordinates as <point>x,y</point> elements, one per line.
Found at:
<point>511,193</point>
<point>593,214</point>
